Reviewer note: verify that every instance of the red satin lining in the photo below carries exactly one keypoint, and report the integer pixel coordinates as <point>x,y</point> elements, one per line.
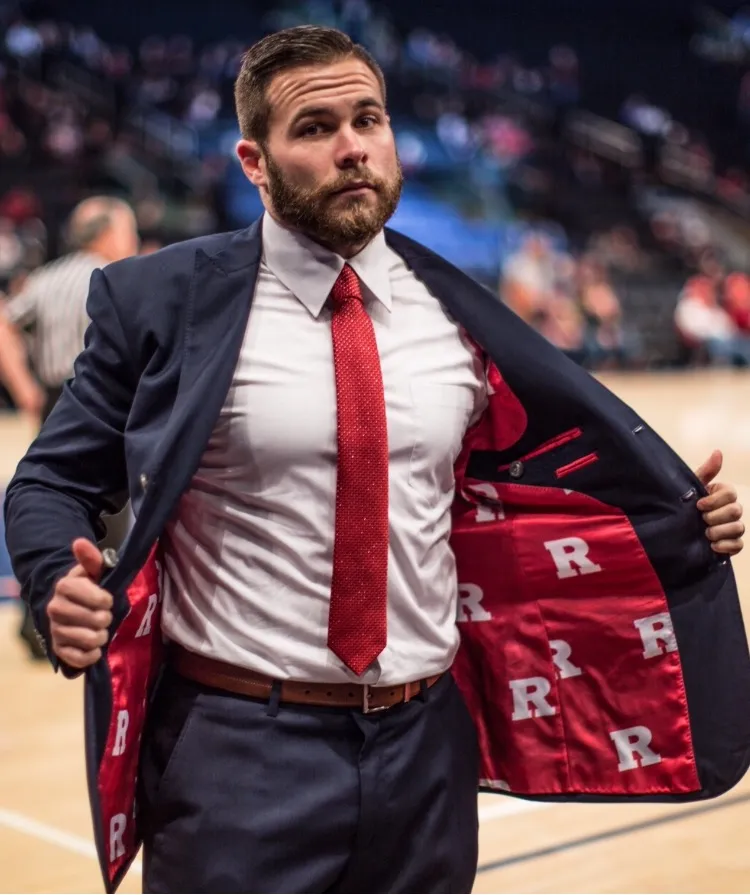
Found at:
<point>516,610</point>
<point>133,663</point>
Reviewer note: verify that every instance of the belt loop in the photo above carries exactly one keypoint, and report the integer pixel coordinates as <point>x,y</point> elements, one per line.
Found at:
<point>274,699</point>
<point>423,690</point>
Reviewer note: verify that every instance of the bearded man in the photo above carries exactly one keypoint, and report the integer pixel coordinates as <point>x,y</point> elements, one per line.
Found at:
<point>389,546</point>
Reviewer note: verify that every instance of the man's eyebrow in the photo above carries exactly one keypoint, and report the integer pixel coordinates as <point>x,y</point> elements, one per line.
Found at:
<point>368,101</point>
<point>312,111</point>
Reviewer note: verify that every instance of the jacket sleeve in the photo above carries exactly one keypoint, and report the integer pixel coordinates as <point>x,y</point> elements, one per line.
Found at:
<point>75,469</point>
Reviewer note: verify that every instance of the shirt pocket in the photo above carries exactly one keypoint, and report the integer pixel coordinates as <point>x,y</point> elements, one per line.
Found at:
<point>441,413</point>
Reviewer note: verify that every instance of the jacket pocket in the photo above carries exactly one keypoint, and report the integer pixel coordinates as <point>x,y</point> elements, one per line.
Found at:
<point>568,454</point>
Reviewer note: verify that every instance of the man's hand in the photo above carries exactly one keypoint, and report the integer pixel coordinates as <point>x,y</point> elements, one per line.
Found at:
<point>80,611</point>
<point>721,511</point>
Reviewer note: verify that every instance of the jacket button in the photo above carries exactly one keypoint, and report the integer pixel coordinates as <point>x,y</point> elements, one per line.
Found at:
<point>110,557</point>
<point>516,469</point>
<point>144,481</point>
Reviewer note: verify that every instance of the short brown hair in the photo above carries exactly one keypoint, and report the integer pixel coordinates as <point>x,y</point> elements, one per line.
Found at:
<point>281,51</point>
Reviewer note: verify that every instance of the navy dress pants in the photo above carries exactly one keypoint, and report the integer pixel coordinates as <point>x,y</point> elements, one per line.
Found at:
<point>241,795</point>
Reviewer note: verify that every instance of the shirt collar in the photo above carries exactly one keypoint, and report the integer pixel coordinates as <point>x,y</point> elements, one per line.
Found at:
<point>309,271</point>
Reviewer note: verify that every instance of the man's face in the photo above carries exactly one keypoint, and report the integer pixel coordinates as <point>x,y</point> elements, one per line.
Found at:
<point>329,166</point>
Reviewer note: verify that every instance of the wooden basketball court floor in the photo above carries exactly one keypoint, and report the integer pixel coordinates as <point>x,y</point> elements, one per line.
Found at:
<point>45,833</point>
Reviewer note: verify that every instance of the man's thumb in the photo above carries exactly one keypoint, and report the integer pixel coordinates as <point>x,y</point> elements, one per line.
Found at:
<point>708,471</point>
<point>89,557</point>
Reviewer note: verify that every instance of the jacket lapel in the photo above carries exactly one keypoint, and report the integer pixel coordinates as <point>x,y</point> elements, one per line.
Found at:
<point>217,310</point>
<point>469,304</point>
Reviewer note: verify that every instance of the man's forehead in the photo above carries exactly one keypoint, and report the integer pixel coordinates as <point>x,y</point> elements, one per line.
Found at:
<point>311,84</point>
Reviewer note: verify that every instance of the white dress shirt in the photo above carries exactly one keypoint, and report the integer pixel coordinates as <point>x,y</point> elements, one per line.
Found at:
<point>248,554</point>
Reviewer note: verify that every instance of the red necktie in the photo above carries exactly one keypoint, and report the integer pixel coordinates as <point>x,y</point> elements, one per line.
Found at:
<point>357,625</point>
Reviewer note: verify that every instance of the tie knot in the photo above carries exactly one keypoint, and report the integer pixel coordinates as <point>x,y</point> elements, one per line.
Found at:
<point>346,287</point>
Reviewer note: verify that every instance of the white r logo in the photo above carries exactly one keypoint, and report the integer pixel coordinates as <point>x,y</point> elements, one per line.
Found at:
<point>655,631</point>
<point>116,829</point>
<point>561,657</point>
<point>470,607</point>
<point>145,627</point>
<point>123,719</point>
<point>633,750</point>
<point>569,552</point>
<point>529,698</point>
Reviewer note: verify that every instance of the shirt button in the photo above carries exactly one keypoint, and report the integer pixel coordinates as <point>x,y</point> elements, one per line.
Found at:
<point>110,557</point>
<point>144,481</point>
<point>516,469</point>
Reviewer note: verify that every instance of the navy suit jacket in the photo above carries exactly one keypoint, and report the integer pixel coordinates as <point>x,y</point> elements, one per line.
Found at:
<point>603,651</point>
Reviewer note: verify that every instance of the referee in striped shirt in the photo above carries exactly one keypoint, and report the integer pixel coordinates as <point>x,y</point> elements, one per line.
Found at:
<point>51,311</point>
<point>51,308</point>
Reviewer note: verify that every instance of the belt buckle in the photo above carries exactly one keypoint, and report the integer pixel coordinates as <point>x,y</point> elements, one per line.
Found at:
<point>366,708</point>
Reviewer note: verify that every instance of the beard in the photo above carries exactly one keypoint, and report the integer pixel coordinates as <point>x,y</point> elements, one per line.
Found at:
<point>349,221</point>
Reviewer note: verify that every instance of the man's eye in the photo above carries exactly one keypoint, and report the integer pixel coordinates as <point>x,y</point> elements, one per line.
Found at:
<point>368,120</point>
<point>312,130</point>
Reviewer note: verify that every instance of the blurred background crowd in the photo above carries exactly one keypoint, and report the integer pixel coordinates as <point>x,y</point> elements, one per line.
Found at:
<point>598,184</point>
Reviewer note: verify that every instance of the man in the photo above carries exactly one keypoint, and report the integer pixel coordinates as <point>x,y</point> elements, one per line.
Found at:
<point>703,323</point>
<point>287,407</point>
<point>52,304</point>
<point>51,308</point>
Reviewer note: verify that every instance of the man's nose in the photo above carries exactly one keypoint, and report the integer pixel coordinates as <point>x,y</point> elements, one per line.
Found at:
<point>350,150</point>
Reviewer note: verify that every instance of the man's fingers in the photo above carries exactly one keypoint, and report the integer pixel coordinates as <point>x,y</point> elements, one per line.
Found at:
<point>720,496</point>
<point>730,513</point>
<point>728,548</point>
<point>730,531</point>
<point>84,592</point>
<point>63,612</point>
<point>83,639</point>
<point>78,658</point>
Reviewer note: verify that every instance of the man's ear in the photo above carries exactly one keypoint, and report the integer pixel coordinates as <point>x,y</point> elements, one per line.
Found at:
<point>251,158</point>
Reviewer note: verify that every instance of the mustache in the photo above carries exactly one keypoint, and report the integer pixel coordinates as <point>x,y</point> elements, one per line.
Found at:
<point>358,178</point>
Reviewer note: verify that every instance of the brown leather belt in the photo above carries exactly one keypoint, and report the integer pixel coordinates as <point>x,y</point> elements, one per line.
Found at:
<point>223,676</point>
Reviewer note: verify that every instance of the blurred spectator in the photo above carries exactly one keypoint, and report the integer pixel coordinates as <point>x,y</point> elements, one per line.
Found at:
<point>561,322</point>
<point>737,300</point>
<point>703,324</point>
<point>64,139</point>
<point>619,248</point>
<point>608,342</point>
<point>533,275</point>
<point>505,138</point>
<point>19,205</point>
<point>204,105</point>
